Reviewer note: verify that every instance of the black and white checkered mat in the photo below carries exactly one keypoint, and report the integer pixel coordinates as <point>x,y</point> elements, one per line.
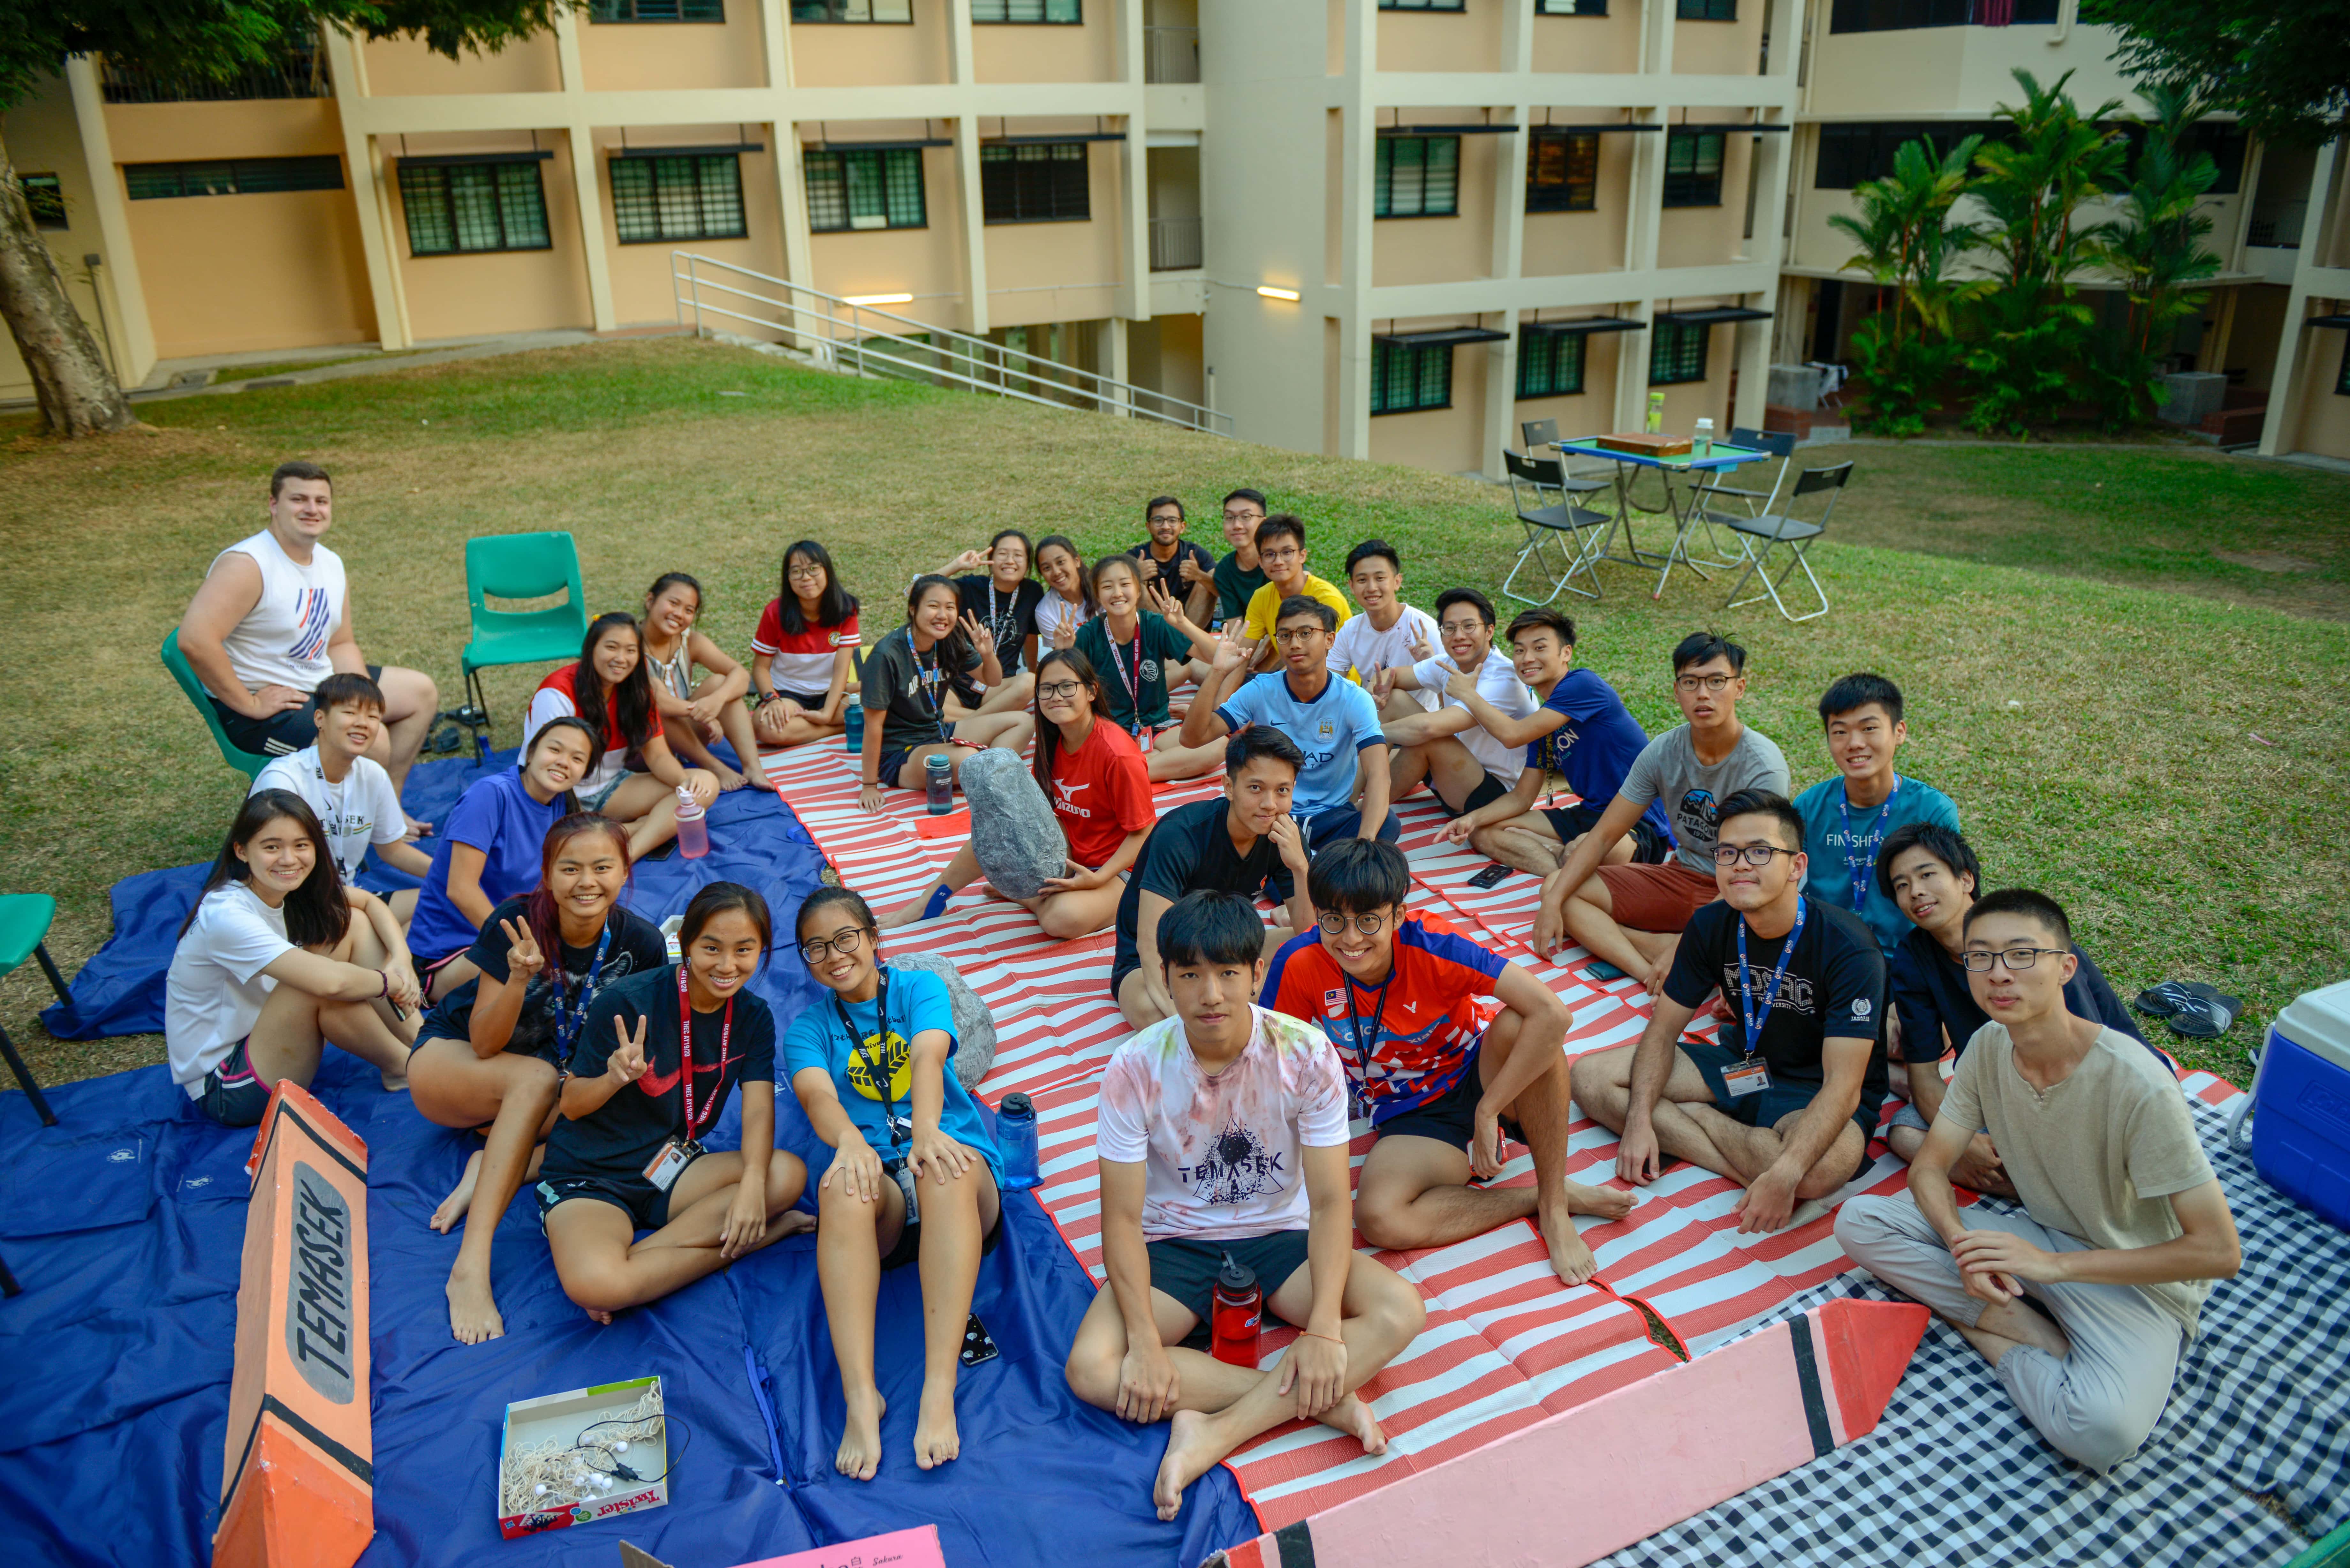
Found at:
<point>1954,1476</point>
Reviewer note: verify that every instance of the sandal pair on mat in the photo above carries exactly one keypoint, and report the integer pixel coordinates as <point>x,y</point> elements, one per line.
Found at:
<point>2193,1010</point>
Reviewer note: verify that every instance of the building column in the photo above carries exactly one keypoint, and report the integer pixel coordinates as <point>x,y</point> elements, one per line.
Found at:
<point>1133,300</point>
<point>584,190</point>
<point>972,212</point>
<point>1114,350</point>
<point>1768,169</point>
<point>369,197</point>
<point>790,197</point>
<point>2296,353</point>
<point>1358,167</point>
<point>120,288</point>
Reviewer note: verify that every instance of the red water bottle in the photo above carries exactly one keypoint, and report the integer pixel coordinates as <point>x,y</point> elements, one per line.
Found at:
<point>1237,1318</point>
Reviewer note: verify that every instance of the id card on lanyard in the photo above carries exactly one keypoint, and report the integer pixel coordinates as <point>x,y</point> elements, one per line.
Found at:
<point>1862,867</point>
<point>1750,1076</point>
<point>677,1152</point>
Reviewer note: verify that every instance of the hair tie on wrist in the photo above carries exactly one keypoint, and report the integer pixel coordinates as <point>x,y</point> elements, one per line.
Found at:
<point>383,978</point>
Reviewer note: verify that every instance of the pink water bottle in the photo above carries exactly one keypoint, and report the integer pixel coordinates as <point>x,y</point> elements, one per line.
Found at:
<point>693,831</point>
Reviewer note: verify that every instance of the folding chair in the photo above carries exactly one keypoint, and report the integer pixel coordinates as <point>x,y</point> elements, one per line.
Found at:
<point>520,566</point>
<point>24,928</point>
<point>1747,502</point>
<point>1775,529</point>
<point>1584,531</point>
<point>1540,434</point>
<point>249,763</point>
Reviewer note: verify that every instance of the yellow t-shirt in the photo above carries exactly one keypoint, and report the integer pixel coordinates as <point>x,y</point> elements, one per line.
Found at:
<point>1264,606</point>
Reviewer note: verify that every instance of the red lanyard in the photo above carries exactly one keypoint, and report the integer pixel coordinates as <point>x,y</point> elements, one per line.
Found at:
<point>1133,687</point>
<point>685,1051</point>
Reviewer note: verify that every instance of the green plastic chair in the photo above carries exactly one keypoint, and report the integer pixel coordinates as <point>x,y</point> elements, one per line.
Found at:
<point>250,763</point>
<point>520,566</point>
<point>24,924</point>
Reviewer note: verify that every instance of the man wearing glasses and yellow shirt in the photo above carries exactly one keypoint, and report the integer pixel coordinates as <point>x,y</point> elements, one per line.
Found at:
<point>1785,1104</point>
<point>1410,1001</point>
<point>1629,915</point>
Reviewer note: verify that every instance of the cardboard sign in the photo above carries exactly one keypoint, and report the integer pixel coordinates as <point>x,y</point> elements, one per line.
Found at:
<point>298,1478</point>
<point>916,1548</point>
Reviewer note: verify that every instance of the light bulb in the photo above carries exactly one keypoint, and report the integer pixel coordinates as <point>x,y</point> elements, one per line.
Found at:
<point>621,1447</point>
<point>540,1490</point>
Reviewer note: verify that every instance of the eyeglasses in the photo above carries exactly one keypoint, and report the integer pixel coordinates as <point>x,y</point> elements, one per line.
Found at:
<point>1336,925</point>
<point>1753,854</point>
<point>1712,683</point>
<point>1248,514</point>
<point>1060,691</point>
<point>1288,635</point>
<point>805,574</point>
<point>1982,960</point>
<point>843,944</point>
<point>1271,557</point>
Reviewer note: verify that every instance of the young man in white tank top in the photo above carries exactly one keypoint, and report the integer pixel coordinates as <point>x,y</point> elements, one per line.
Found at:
<point>272,620</point>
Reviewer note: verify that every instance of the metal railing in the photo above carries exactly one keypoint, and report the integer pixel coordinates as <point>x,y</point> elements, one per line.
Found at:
<point>1171,55</point>
<point>839,334</point>
<point>298,70</point>
<point>2277,223</point>
<point>1175,245</point>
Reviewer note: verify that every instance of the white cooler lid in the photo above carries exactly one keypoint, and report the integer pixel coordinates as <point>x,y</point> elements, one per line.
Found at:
<point>2319,1022</point>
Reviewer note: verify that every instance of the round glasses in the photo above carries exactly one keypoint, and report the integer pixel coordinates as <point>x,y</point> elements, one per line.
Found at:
<point>1712,683</point>
<point>843,944</point>
<point>1335,924</point>
<point>1059,690</point>
<point>1982,960</point>
<point>1753,854</point>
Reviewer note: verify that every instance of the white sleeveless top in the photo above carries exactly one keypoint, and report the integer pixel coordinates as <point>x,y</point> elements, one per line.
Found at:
<point>283,638</point>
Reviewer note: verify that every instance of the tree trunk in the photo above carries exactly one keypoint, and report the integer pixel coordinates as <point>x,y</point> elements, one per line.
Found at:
<point>75,386</point>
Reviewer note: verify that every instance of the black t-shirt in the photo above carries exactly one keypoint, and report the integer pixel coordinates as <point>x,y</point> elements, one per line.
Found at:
<point>909,689</point>
<point>1190,851</point>
<point>1171,572</point>
<point>637,946</point>
<point>1833,988</point>
<point>1011,616</point>
<point>622,1137</point>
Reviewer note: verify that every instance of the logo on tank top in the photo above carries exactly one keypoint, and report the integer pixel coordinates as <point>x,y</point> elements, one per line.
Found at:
<point>313,620</point>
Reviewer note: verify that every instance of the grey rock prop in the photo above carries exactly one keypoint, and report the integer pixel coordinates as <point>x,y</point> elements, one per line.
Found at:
<point>975,1024</point>
<point>1012,830</point>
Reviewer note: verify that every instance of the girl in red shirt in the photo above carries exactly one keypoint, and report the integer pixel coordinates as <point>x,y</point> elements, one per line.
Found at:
<point>1094,775</point>
<point>803,653</point>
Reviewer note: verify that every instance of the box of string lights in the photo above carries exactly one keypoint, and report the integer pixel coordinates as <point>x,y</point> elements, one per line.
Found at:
<point>573,1459</point>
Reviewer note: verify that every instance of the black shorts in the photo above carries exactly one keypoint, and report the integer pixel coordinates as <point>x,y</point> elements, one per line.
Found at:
<point>909,1243</point>
<point>1450,1117</point>
<point>1124,964</point>
<point>1650,848</point>
<point>811,700</point>
<point>234,1093</point>
<point>1768,1107</point>
<point>1185,1271</point>
<point>280,735</point>
<point>646,1205</point>
<point>1489,790</point>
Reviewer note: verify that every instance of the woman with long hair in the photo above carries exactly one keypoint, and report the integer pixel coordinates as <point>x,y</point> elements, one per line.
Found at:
<point>804,652</point>
<point>1002,599</point>
<point>1145,651</point>
<point>905,682</point>
<point>490,1057</point>
<point>488,849</point>
<point>656,1062</point>
<point>1068,601</point>
<point>276,958</point>
<point>694,713</point>
<point>1093,775</point>
<point>915,1178</point>
<point>612,692</point>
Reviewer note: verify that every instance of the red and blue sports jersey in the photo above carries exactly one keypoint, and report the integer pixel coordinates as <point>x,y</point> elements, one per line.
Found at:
<point>1429,1023</point>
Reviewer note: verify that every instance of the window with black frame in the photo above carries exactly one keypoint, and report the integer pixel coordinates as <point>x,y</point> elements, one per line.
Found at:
<point>1417,177</point>
<point>1677,352</point>
<point>1423,4</point>
<point>457,208</point>
<point>865,188</point>
<point>1070,12</point>
<point>1549,364</point>
<point>1405,379</point>
<point>1570,7</point>
<point>1035,183</point>
<point>852,10</point>
<point>46,198</point>
<point>693,197</point>
<point>1562,172</point>
<point>231,177</point>
<point>657,11</point>
<point>2342,377</point>
<point>1707,10</point>
<point>1692,168</point>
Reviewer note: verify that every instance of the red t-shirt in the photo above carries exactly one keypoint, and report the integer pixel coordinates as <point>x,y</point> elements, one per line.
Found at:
<point>1101,792</point>
<point>565,683</point>
<point>801,660</point>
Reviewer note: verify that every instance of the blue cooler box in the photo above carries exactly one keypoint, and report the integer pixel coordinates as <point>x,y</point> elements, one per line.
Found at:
<point>2301,1110</point>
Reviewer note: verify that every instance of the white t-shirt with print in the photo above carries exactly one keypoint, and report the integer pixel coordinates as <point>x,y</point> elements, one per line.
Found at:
<point>1363,647</point>
<point>1052,613</point>
<point>363,809</point>
<point>1222,1154</point>
<point>1498,684</point>
<point>214,989</point>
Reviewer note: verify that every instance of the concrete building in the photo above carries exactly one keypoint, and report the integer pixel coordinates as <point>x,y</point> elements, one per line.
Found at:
<point>1380,228</point>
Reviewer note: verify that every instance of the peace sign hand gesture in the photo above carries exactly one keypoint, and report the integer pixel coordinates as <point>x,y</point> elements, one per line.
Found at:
<point>1422,648</point>
<point>982,641</point>
<point>524,961</point>
<point>627,1063</point>
<point>969,560</point>
<point>1169,609</point>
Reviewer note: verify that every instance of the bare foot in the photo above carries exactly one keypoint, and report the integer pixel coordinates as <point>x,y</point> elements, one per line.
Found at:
<point>1605,1201</point>
<point>1570,1259</point>
<point>790,1222</point>
<point>2019,1322</point>
<point>600,1315</point>
<point>728,779</point>
<point>460,1197</point>
<point>472,1311</point>
<point>936,1440</point>
<point>861,1439</point>
<point>1353,1417</point>
<point>1191,1452</point>
<point>395,1083</point>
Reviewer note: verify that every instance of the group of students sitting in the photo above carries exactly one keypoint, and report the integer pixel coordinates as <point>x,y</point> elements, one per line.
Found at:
<point>518,999</point>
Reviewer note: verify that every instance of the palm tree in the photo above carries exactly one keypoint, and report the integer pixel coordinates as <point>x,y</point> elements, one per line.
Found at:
<point>2157,247</point>
<point>1903,231</point>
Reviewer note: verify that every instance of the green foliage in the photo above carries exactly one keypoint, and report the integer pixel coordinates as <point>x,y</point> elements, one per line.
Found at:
<point>1907,240</point>
<point>1903,378</point>
<point>2023,355</point>
<point>2156,250</point>
<point>2281,67</point>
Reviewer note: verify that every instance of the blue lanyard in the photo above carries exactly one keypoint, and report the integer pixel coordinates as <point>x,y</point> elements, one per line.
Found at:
<point>1861,867</point>
<point>567,1022</point>
<point>1755,1021</point>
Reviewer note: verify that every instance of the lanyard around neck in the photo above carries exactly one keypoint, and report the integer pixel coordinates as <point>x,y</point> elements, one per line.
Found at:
<point>685,1051</point>
<point>1754,1020</point>
<point>1363,1052</point>
<point>1133,685</point>
<point>1861,866</point>
<point>567,1020</point>
<point>883,1078</point>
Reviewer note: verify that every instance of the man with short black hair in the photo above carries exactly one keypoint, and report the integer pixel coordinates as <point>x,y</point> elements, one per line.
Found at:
<point>1629,915</point>
<point>1238,575</point>
<point>2124,1227</point>
<point>1281,550</point>
<point>1786,1104</point>
<point>1389,634</point>
<point>1184,570</point>
<point>347,789</point>
<point>1465,762</point>
<point>1402,997</point>
<point>273,620</point>
<point>1846,818</point>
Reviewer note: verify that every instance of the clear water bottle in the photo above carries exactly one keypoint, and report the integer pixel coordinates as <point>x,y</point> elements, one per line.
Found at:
<point>1015,1135</point>
<point>1236,1317</point>
<point>692,831</point>
<point>938,780</point>
<point>1702,443</point>
<point>854,711</point>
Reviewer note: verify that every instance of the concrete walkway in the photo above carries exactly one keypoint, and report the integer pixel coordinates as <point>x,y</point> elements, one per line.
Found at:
<point>206,375</point>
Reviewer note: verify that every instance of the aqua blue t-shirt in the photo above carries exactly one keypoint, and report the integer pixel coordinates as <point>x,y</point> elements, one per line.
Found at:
<point>1329,730</point>
<point>497,816</point>
<point>917,1001</point>
<point>1843,858</point>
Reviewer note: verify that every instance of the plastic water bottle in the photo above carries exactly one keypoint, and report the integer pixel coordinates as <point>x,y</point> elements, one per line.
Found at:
<point>1015,1135</point>
<point>693,831</point>
<point>855,712</point>
<point>1702,443</point>
<point>938,779</point>
<point>1656,413</point>
<point>1236,1318</point>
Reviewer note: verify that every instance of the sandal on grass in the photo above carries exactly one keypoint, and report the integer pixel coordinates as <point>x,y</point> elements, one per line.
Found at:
<point>2207,1018</point>
<point>2163,1001</point>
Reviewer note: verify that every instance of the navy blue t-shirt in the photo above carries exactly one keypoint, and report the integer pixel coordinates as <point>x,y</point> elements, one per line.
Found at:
<point>1595,745</point>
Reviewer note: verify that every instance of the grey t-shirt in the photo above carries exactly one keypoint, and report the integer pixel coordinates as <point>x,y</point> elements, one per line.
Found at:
<point>1668,770</point>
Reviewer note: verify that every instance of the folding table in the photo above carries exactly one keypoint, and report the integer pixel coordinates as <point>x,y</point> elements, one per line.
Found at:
<point>1681,503</point>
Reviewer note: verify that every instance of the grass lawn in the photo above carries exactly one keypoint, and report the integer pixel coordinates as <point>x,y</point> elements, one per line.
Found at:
<point>2128,715</point>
